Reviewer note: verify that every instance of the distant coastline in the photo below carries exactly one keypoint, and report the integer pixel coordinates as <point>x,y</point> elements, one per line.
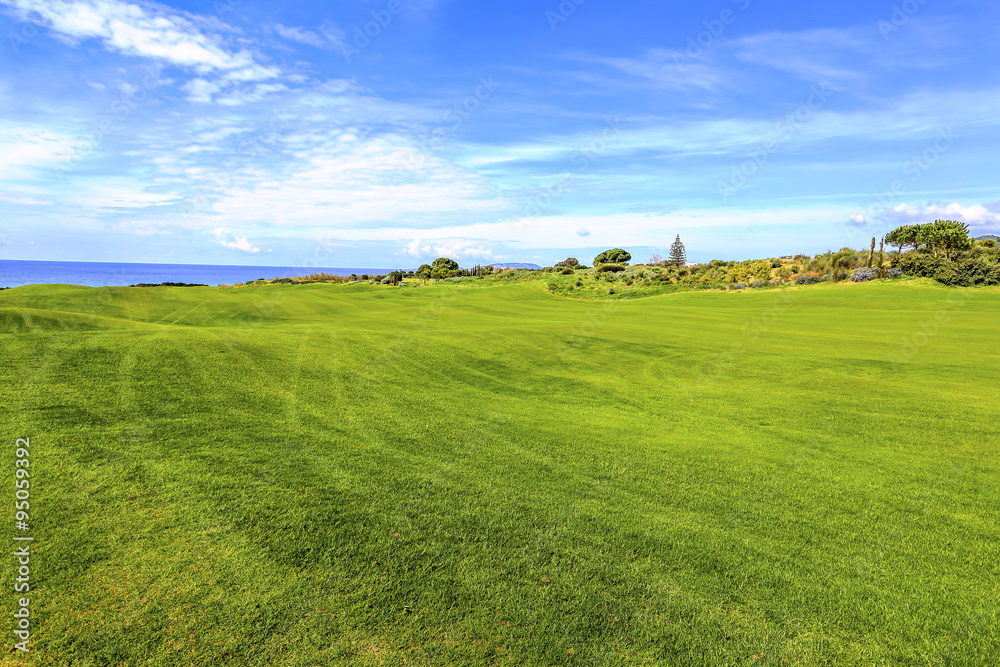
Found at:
<point>18,273</point>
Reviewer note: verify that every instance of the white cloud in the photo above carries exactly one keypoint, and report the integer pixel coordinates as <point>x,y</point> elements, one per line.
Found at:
<point>26,148</point>
<point>237,242</point>
<point>672,70</point>
<point>808,54</point>
<point>976,215</point>
<point>856,220</point>
<point>915,116</point>
<point>149,30</point>
<point>299,35</point>
<point>200,90</point>
<point>336,179</point>
<point>23,201</point>
<point>457,249</point>
<point>259,92</point>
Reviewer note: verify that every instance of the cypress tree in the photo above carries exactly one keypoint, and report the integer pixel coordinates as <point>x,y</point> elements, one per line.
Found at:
<point>677,255</point>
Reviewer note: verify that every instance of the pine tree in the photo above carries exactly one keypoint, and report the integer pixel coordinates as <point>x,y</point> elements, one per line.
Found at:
<point>677,255</point>
<point>871,253</point>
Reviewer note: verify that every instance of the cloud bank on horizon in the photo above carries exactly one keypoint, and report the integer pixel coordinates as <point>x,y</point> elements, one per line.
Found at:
<point>390,132</point>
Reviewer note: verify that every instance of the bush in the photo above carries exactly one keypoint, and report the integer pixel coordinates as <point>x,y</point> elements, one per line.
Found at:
<point>611,291</point>
<point>553,287</point>
<point>913,264</point>
<point>737,286</point>
<point>567,272</point>
<point>613,256</point>
<point>863,275</point>
<point>579,284</point>
<point>807,280</point>
<point>893,273</point>
<point>610,268</point>
<point>760,284</point>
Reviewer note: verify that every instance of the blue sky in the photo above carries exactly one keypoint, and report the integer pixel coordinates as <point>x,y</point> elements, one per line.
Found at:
<point>391,132</point>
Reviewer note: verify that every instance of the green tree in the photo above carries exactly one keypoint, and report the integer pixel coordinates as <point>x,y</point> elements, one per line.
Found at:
<point>678,257</point>
<point>613,256</point>
<point>444,263</point>
<point>951,236</point>
<point>903,236</point>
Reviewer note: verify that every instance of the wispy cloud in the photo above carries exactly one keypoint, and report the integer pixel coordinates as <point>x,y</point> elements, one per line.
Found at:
<point>812,55</point>
<point>149,30</point>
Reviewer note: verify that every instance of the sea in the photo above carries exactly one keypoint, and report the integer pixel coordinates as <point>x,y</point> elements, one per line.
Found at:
<point>17,273</point>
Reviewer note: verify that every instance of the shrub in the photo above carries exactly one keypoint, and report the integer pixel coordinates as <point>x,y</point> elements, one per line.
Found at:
<point>737,286</point>
<point>894,273</point>
<point>807,280</point>
<point>552,287</point>
<point>914,264</point>
<point>579,284</point>
<point>611,291</point>
<point>567,272</point>
<point>759,284</point>
<point>863,275</point>
<point>610,268</point>
<point>613,256</point>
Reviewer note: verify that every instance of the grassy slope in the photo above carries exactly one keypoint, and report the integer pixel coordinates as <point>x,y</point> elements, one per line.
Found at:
<point>300,475</point>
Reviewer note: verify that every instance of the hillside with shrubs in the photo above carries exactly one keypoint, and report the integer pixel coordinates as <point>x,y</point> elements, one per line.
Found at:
<point>942,251</point>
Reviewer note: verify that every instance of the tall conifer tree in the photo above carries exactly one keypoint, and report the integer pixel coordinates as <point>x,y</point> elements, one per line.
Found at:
<point>677,255</point>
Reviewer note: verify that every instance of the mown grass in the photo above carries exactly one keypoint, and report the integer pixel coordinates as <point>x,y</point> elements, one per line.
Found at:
<point>319,474</point>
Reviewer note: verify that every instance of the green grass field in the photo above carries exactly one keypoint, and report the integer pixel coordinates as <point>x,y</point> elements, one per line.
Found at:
<point>351,475</point>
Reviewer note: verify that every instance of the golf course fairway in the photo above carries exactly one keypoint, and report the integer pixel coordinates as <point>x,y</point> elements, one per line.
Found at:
<point>460,475</point>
